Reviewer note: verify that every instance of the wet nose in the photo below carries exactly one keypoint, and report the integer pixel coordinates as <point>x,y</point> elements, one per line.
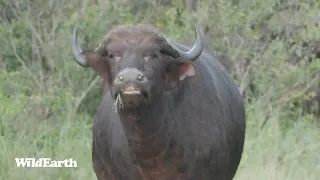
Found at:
<point>130,74</point>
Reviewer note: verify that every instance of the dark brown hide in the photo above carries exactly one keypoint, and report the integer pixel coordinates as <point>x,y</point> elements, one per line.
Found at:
<point>192,126</point>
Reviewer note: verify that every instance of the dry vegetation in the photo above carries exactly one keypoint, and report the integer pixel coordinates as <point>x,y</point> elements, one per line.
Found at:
<point>47,101</point>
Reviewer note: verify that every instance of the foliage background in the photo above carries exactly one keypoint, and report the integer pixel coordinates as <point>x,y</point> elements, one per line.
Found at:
<point>47,101</point>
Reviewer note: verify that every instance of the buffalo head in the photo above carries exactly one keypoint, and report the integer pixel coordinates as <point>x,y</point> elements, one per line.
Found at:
<point>138,63</point>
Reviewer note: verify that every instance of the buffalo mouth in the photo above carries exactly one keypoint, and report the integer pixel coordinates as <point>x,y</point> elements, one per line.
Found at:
<point>131,97</point>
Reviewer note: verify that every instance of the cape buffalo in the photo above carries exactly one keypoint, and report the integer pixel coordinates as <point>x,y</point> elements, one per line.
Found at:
<point>168,112</point>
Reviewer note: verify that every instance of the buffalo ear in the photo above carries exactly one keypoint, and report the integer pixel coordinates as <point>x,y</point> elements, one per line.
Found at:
<point>176,72</point>
<point>96,62</point>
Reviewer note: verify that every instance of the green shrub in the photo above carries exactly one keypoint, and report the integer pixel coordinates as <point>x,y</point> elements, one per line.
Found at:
<point>47,101</point>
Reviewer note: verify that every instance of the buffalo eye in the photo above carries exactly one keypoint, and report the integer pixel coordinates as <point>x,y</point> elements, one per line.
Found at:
<point>154,55</point>
<point>110,56</point>
<point>104,54</point>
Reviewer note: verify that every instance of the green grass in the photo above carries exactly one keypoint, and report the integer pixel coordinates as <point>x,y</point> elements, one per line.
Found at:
<point>268,155</point>
<point>58,142</point>
<point>38,76</point>
<point>272,155</point>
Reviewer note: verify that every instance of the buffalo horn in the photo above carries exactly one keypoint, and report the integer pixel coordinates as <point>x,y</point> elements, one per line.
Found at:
<point>77,51</point>
<point>195,51</point>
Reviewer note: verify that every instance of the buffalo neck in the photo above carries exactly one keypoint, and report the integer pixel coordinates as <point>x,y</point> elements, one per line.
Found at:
<point>148,128</point>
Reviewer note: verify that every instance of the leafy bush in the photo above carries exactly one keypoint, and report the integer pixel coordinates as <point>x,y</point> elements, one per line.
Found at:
<point>47,101</point>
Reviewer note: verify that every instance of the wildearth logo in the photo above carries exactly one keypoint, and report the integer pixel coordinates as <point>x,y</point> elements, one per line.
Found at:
<point>45,162</point>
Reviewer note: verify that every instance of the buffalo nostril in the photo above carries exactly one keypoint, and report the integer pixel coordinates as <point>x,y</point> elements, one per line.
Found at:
<point>120,78</point>
<point>140,77</point>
